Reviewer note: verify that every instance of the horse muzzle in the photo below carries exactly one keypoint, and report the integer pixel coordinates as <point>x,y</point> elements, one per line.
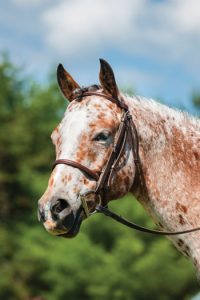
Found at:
<point>60,220</point>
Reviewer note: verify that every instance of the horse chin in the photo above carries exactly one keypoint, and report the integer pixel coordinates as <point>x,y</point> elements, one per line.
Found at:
<point>74,230</point>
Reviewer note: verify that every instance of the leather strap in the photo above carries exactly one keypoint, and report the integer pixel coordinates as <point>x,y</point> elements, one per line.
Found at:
<point>113,156</point>
<point>107,212</point>
<point>74,164</point>
<point>118,102</point>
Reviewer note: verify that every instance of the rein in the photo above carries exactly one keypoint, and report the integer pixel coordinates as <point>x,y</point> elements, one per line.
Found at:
<point>126,129</point>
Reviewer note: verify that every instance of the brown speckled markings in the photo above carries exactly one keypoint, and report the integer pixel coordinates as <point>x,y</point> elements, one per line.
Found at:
<point>170,156</point>
<point>180,207</point>
<point>170,149</point>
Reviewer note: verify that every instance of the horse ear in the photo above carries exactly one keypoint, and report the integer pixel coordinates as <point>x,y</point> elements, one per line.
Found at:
<point>66,83</point>
<point>107,78</point>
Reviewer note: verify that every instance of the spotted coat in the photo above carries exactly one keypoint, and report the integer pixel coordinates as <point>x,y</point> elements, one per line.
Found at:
<point>169,148</point>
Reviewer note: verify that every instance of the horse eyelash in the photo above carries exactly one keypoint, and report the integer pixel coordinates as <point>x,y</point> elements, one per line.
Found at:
<point>102,136</point>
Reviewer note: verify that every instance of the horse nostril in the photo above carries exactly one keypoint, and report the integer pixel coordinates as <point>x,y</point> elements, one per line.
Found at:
<point>62,213</point>
<point>59,207</point>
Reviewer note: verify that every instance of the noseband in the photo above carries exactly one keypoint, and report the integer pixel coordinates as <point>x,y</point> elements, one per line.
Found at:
<point>126,129</point>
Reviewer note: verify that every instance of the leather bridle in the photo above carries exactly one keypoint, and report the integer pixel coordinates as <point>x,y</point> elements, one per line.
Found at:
<point>126,132</point>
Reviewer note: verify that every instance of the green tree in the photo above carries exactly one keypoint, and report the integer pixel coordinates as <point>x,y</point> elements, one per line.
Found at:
<point>196,101</point>
<point>28,114</point>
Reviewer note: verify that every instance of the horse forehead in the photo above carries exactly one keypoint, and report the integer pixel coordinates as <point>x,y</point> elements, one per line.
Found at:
<point>89,110</point>
<point>94,103</point>
<point>80,116</point>
<point>74,122</point>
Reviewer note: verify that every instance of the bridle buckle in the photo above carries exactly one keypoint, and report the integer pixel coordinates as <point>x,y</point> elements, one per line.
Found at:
<point>85,206</point>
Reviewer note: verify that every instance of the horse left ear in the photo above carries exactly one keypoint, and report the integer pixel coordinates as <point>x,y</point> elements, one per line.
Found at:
<point>107,78</point>
<point>66,83</point>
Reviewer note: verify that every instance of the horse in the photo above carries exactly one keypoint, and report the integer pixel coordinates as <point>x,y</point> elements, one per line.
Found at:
<point>98,159</point>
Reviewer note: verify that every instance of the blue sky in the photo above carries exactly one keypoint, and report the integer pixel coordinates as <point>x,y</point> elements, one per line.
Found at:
<point>153,46</point>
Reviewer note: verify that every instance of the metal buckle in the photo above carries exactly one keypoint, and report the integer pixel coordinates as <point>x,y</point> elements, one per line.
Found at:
<point>84,203</point>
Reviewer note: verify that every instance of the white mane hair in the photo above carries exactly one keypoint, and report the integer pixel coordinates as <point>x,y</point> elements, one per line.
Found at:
<point>179,117</point>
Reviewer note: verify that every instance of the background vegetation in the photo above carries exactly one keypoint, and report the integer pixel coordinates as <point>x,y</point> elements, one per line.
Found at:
<point>106,260</point>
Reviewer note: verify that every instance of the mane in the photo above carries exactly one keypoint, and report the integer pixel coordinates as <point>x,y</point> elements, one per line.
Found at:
<point>175,115</point>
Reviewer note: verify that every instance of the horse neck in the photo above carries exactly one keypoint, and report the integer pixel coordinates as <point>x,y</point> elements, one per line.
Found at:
<point>169,151</point>
<point>168,144</point>
<point>170,158</point>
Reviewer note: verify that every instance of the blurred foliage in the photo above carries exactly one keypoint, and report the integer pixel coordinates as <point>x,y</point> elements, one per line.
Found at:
<point>106,260</point>
<point>196,101</point>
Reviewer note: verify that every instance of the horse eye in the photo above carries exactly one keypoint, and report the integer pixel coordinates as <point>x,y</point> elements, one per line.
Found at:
<point>101,137</point>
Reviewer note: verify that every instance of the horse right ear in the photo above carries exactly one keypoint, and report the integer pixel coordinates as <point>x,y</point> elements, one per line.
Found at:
<point>66,83</point>
<point>107,79</point>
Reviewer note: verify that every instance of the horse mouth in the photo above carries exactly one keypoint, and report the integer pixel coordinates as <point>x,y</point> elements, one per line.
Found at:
<point>74,230</point>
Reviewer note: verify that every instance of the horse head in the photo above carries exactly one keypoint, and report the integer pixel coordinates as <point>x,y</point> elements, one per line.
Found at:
<point>84,142</point>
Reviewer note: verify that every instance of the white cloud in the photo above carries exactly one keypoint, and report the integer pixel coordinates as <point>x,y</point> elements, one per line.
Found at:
<point>186,15</point>
<point>169,29</point>
<point>81,26</point>
<point>173,28</point>
<point>152,45</point>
